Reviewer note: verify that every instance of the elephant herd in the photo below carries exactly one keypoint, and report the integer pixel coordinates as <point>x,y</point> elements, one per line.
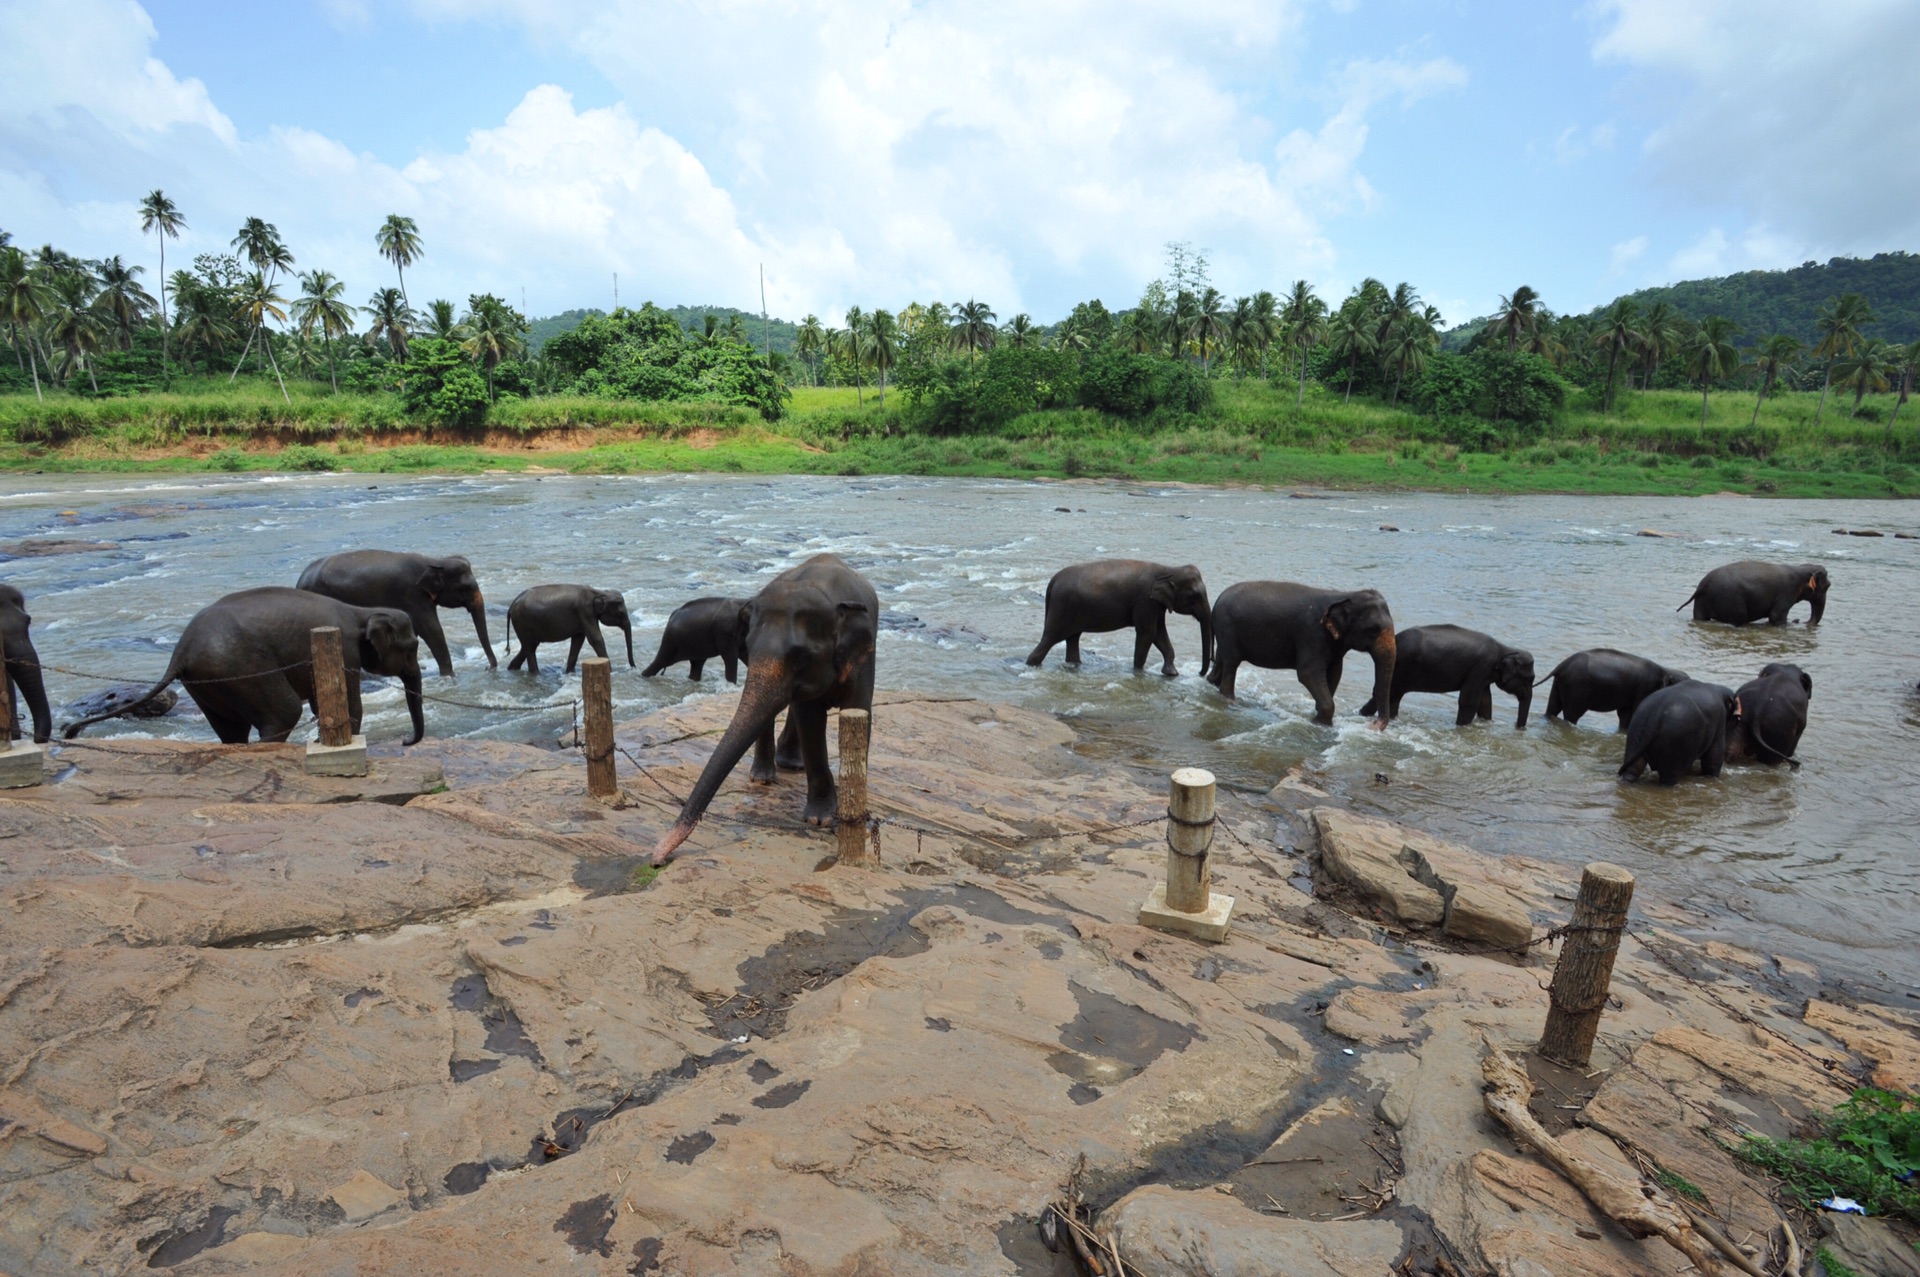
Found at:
<point>1672,722</point>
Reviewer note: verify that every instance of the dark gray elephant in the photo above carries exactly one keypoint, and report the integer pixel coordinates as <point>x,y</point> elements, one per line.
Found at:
<point>700,631</point>
<point>1748,591</point>
<point>573,613</point>
<point>1449,658</point>
<point>1678,726</point>
<point>1279,625</point>
<point>1111,594</point>
<point>810,648</point>
<point>417,584</point>
<point>23,667</point>
<point>1602,680</point>
<point>247,661</point>
<point>1773,716</point>
<point>123,700</point>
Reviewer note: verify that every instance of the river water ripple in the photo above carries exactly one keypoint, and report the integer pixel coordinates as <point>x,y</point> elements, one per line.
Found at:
<point>1824,864</point>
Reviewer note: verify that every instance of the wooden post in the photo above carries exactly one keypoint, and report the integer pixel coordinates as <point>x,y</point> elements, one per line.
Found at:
<point>1583,974</point>
<point>1186,902</point>
<point>596,690</point>
<point>850,833</point>
<point>330,687</point>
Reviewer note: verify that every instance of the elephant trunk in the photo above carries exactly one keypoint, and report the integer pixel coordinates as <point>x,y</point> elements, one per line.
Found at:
<point>1819,602</point>
<point>478,611</point>
<point>26,677</point>
<point>415,709</point>
<point>1526,703</point>
<point>1384,652</point>
<point>628,631</point>
<point>765,696</point>
<point>1205,617</point>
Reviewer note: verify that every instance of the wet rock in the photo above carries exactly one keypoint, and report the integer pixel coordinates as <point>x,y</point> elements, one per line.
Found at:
<point>1163,1232</point>
<point>1889,1040</point>
<point>115,700</point>
<point>1365,856</point>
<point>40,547</point>
<point>365,1196</point>
<point>1388,527</point>
<point>1870,1246</point>
<point>1651,532</point>
<point>1422,881</point>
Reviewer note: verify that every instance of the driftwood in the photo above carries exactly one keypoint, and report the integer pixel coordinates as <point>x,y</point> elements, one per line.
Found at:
<point>1640,1208</point>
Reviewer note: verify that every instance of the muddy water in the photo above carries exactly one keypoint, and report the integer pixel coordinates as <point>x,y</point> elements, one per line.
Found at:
<point>1824,864</point>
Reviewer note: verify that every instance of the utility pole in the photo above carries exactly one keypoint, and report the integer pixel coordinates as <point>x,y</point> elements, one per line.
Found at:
<point>766,332</point>
<point>616,290</point>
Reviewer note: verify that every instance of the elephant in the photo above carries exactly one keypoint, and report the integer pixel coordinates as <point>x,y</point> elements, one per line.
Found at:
<point>1748,591</point>
<point>1773,714</point>
<point>1678,726</point>
<point>247,661</point>
<point>1111,594</point>
<point>124,700</point>
<point>1449,658</point>
<point>1604,681</point>
<point>810,648</point>
<point>1284,625</point>
<point>550,613</point>
<point>415,583</point>
<point>700,630</point>
<point>23,667</point>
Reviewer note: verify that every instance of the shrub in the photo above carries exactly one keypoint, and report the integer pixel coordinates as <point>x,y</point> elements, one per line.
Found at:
<point>1136,386</point>
<point>302,457</point>
<point>1519,387</point>
<point>967,396</point>
<point>443,387</point>
<point>1448,388</point>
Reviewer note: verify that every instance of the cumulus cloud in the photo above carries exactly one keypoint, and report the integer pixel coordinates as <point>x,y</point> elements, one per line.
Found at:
<point>91,57</point>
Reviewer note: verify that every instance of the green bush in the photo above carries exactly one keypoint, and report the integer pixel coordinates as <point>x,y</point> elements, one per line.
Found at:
<point>968,396</point>
<point>1518,387</point>
<point>1448,388</point>
<point>302,457</point>
<point>227,459</point>
<point>443,387</point>
<point>1135,386</point>
<point>1868,1150</point>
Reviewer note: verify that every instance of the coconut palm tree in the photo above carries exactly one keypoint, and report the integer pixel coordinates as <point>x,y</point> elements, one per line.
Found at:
<point>1619,334</point>
<point>1775,356</point>
<point>321,306</point>
<point>441,321</point>
<point>1304,319</point>
<point>1207,324</point>
<point>1266,320</point>
<point>1906,359</point>
<point>389,316</point>
<point>160,215</point>
<point>256,302</point>
<point>399,242</point>
<point>1020,332</point>
<point>1712,356</point>
<point>260,243</point>
<point>1518,315</point>
<point>810,342</point>
<point>1352,335</point>
<point>1871,366</point>
<point>972,327</point>
<point>495,333</point>
<point>121,299</point>
<point>1838,324</point>
<point>74,326</point>
<point>883,349</point>
<point>205,318</point>
<point>25,300</point>
<point>1408,344</point>
<point>1664,332</point>
<point>1136,333</point>
<point>853,350</point>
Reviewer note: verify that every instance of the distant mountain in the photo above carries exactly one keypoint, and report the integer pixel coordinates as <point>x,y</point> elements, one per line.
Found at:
<point>780,331</point>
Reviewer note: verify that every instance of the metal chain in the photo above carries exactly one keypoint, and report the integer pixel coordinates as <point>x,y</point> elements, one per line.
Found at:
<point>121,678</point>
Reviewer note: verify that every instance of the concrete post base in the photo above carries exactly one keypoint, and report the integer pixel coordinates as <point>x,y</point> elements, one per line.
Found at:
<point>1211,925</point>
<point>349,759</point>
<point>22,764</point>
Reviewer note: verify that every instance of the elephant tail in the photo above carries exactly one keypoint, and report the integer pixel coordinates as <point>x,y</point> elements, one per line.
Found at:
<point>1554,672</point>
<point>174,670</point>
<point>1690,598</point>
<point>1792,762</point>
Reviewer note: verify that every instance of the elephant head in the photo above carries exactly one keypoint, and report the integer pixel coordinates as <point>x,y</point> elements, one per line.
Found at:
<point>1814,591</point>
<point>450,582</point>
<point>802,644</point>
<point>1182,590</point>
<point>610,608</point>
<point>1513,674</point>
<point>1360,622</point>
<point>388,646</point>
<point>1780,669</point>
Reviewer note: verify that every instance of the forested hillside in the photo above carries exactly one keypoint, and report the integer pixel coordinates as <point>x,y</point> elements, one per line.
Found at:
<point>541,331</point>
<point>1763,302</point>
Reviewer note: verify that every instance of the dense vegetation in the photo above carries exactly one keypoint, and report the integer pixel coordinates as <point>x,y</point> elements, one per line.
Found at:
<point>1184,383</point>
<point>1867,1150</point>
<point>1785,301</point>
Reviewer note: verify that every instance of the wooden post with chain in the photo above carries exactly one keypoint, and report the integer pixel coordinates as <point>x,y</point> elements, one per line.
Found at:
<point>1186,902</point>
<point>596,691</point>
<point>1584,973</point>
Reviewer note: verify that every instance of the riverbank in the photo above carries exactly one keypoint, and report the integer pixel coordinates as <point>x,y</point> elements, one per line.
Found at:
<point>1653,444</point>
<point>436,1019</point>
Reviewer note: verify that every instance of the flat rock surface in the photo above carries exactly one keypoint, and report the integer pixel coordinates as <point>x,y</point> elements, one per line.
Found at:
<point>281,1025</point>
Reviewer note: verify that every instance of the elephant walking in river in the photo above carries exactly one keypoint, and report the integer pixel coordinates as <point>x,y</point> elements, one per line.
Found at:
<point>565,613</point>
<point>1451,658</point>
<point>1679,726</point>
<point>1773,715</point>
<point>1112,594</point>
<point>1602,680</point>
<point>417,584</point>
<point>1748,591</point>
<point>702,630</point>
<point>1284,625</point>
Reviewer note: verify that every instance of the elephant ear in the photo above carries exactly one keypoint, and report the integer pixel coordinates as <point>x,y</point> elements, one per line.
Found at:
<point>1162,589</point>
<point>1338,616</point>
<point>1806,682</point>
<point>605,601</point>
<point>381,635</point>
<point>433,581</point>
<point>854,643</point>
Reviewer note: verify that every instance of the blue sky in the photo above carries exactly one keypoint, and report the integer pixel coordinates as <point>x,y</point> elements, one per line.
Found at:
<point>881,151</point>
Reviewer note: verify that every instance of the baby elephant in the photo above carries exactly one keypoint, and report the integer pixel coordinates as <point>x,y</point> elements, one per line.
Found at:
<point>1773,714</point>
<point>1448,658</point>
<point>1679,726</point>
<point>700,631</point>
<point>550,613</point>
<point>1603,681</point>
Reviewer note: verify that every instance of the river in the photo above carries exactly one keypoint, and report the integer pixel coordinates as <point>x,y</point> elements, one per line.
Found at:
<point>1823,864</point>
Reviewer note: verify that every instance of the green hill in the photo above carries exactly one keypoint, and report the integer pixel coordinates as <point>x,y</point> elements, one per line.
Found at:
<point>541,331</point>
<point>1763,302</point>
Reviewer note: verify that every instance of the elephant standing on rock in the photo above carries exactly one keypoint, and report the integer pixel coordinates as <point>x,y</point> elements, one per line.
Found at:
<point>1679,726</point>
<point>1111,594</point>
<point>1601,680</point>
<point>1448,658</point>
<point>1279,625</point>
<point>810,648</point>
<point>1773,715</point>
<point>23,667</point>
<point>550,613</point>
<point>417,584</point>
<point>700,631</point>
<point>247,661</point>
<point>1748,591</point>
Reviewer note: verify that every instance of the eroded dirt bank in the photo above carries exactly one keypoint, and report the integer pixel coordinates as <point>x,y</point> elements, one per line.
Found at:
<point>251,1020</point>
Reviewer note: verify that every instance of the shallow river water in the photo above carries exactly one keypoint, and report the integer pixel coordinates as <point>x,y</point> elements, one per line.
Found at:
<point>1823,864</point>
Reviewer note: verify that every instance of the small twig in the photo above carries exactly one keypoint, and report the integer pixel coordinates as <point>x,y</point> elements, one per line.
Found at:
<point>1283,1161</point>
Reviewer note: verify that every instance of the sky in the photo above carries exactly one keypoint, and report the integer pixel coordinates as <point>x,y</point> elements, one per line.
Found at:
<point>1032,154</point>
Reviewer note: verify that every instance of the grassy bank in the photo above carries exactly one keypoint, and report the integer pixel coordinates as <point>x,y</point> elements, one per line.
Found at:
<point>1654,443</point>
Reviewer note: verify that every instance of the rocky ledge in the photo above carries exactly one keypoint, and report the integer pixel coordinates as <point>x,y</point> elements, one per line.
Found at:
<point>442,1020</point>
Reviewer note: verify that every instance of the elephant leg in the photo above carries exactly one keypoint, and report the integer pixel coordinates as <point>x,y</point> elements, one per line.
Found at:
<point>520,658</point>
<point>1670,776</point>
<point>732,665</point>
<point>694,667</point>
<point>1626,717</point>
<point>1715,758</point>
<point>791,756</point>
<point>427,626</point>
<point>764,772</point>
<point>1050,635</point>
<point>531,651</point>
<point>1486,704</point>
<point>1315,681</point>
<point>1470,698</point>
<point>822,797</point>
<point>1224,673</point>
<point>33,690</point>
<point>355,706</point>
<point>1556,703</point>
<point>661,659</point>
<point>1633,768</point>
<point>596,640</point>
<point>278,709</point>
<point>1142,641</point>
<point>1073,649</point>
<point>1164,641</point>
<point>573,652</point>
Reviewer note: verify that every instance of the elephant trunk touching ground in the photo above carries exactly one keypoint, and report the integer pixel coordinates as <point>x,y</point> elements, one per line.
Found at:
<point>767,693</point>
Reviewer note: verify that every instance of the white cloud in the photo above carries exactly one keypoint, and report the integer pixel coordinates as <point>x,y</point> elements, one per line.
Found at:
<point>1626,253</point>
<point>91,56</point>
<point>1717,253</point>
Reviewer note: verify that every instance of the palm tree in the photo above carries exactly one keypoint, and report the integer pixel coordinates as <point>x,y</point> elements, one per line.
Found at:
<point>74,326</point>
<point>495,333</point>
<point>389,316</point>
<point>1870,367</point>
<point>1243,339</point>
<point>1350,335</point>
<point>883,336</point>
<point>1305,320</point>
<point>259,242</point>
<point>1208,324</point>
<point>1906,359</point>
<point>399,242</point>
<point>121,299</point>
<point>1518,315</point>
<point>1664,332</point>
<point>440,320</point>
<point>1136,332</point>
<point>1775,356</point>
<point>1266,321</point>
<point>1839,323</point>
<point>24,301</point>
<point>853,350</point>
<point>1396,308</point>
<point>972,328</point>
<point>810,342</point>
<point>1712,356</point>
<point>205,317</point>
<point>320,306</point>
<point>1020,332</point>
<point>162,215</point>
<point>1407,345</point>
<point>256,302</point>
<point>1617,335</point>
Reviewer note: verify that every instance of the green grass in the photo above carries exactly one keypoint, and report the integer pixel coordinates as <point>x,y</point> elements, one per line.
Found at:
<point>1653,443</point>
<point>1861,1151</point>
<point>1833,1266</point>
